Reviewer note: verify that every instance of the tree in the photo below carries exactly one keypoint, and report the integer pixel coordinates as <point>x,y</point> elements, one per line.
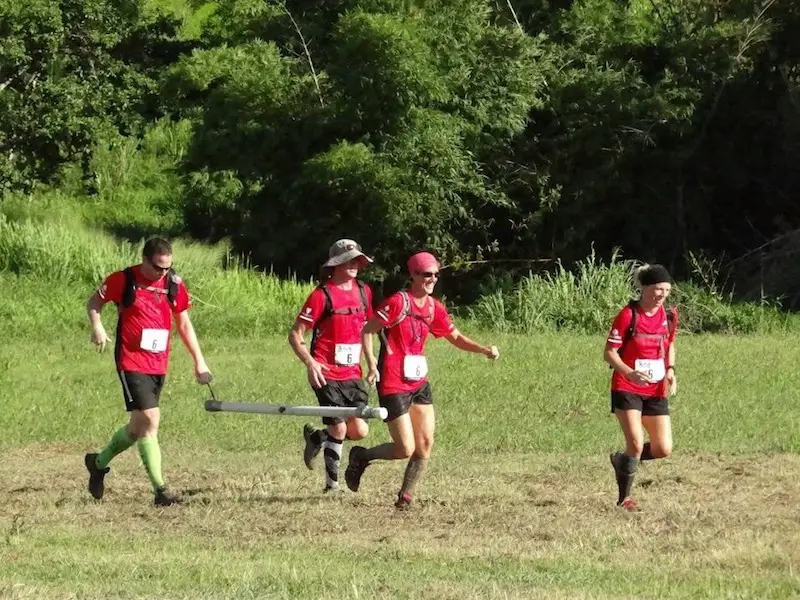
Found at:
<point>71,72</point>
<point>382,139</point>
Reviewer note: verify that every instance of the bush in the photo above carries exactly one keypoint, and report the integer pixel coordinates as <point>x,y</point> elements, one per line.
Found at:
<point>587,298</point>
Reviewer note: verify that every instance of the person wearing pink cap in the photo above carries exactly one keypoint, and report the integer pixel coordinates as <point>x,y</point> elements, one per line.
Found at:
<point>335,312</point>
<point>404,321</point>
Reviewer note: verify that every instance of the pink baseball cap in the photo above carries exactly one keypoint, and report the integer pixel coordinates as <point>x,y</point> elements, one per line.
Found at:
<point>422,262</point>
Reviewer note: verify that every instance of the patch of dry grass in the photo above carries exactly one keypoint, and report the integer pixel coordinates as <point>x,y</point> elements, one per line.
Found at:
<point>500,527</point>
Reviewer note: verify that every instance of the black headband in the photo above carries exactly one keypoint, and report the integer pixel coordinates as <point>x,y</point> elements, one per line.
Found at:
<point>655,274</point>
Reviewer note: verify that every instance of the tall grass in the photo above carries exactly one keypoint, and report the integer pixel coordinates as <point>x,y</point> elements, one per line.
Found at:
<point>137,183</point>
<point>239,301</point>
<point>587,297</point>
<point>60,256</point>
<point>53,267</point>
<point>59,252</point>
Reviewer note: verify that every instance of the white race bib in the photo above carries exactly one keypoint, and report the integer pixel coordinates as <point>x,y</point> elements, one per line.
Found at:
<point>415,367</point>
<point>347,355</point>
<point>154,340</point>
<point>652,367</point>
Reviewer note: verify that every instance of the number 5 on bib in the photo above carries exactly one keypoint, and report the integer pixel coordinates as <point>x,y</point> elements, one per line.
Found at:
<point>653,368</point>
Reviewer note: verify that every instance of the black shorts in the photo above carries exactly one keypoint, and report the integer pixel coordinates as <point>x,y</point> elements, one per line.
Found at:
<point>650,406</point>
<point>140,390</point>
<point>397,404</point>
<point>350,393</point>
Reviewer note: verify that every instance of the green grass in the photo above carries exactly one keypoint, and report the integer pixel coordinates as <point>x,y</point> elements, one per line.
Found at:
<point>547,394</point>
<point>518,502</point>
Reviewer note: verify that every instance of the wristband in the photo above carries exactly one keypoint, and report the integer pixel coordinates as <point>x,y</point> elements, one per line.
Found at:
<point>671,367</point>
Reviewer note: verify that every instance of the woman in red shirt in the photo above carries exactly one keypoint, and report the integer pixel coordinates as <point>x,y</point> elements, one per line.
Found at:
<point>641,350</point>
<point>404,321</point>
<point>335,312</point>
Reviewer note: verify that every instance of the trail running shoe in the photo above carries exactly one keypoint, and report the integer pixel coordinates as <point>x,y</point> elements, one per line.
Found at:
<point>355,468</point>
<point>312,448</point>
<point>165,497</point>
<point>615,456</point>
<point>96,475</point>
<point>403,501</point>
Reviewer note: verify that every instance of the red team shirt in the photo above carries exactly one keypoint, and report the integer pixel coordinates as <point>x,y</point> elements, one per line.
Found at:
<point>407,338</point>
<point>150,310</point>
<point>336,328</point>
<point>641,346</point>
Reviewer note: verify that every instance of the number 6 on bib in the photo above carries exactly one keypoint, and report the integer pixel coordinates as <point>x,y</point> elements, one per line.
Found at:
<point>154,340</point>
<point>347,355</point>
<point>415,367</point>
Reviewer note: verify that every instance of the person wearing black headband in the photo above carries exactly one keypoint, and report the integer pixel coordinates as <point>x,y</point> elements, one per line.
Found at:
<point>653,275</point>
<point>641,351</point>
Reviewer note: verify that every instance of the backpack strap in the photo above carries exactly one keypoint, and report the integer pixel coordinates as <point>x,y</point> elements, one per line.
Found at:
<point>328,310</point>
<point>129,289</point>
<point>403,314</point>
<point>670,320</point>
<point>363,293</point>
<point>173,285</point>
<point>405,311</point>
<point>631,331</point>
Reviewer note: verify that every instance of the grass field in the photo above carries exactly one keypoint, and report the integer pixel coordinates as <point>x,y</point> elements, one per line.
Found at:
<point>518,502</point>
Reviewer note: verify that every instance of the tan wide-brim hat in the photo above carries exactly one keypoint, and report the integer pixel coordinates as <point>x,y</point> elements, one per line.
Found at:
<point>343,251</point>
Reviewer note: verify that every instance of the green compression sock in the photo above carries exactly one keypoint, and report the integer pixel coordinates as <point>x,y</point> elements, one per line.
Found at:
<point>119,443</point>
<point>151,457</point>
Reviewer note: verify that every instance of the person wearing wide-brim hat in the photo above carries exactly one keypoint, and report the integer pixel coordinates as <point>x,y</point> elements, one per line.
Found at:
<point>641,350</point>
<point>335,312</point>
<point>344,251</point>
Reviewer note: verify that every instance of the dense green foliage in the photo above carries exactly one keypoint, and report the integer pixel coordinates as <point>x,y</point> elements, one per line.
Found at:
<point>490,131</point>
<point>52,266</point>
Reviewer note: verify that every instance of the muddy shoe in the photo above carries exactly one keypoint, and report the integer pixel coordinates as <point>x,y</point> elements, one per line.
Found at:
<point>312,448</point>
<point>355,468</point>
<point>96,475</point>
<point>615,456</point>
<point>403,501</point>
<point>165,497</point>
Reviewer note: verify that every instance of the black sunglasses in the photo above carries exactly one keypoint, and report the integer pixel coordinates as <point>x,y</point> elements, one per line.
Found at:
<point>158,268</point>
<point>429,274</point>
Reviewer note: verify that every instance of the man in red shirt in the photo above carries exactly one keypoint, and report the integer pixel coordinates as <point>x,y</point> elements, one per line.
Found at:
<point>335,312</point>
<point>148,296</point>
<point>641,350</point>
<point>404,322</point>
